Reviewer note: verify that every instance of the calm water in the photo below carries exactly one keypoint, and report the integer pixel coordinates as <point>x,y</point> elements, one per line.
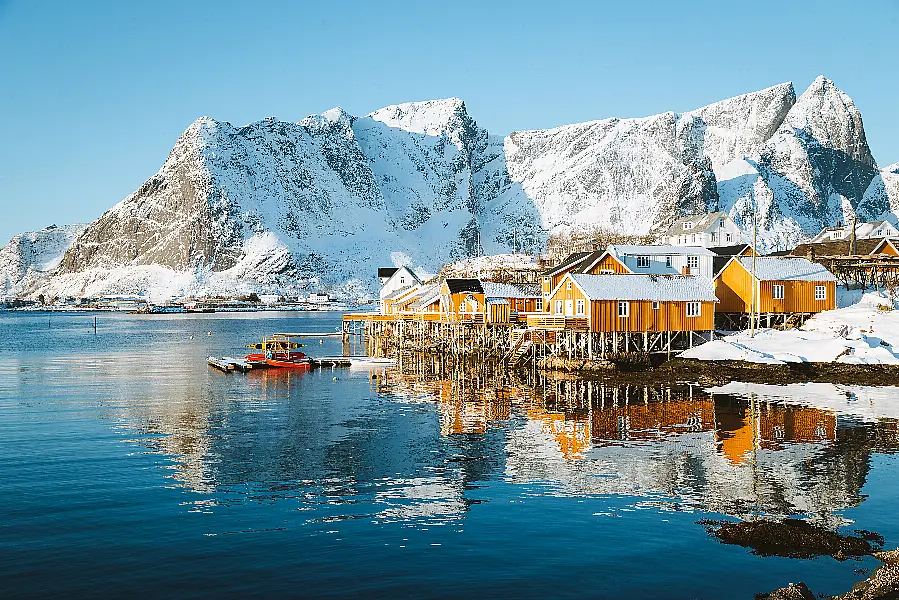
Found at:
<point>127,466</point>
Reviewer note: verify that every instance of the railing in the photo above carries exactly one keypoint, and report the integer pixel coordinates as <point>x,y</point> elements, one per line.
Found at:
<point>556,322</point>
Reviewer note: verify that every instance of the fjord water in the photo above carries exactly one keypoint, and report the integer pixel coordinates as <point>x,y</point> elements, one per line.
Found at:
<point>130,467</point>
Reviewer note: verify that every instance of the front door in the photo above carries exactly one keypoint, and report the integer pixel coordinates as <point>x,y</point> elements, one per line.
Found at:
<point>569,308</point>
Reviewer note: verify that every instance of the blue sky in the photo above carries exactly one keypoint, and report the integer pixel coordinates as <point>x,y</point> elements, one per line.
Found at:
<point>95,94</point>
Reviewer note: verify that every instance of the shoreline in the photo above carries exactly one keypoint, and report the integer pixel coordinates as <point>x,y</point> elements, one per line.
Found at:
<point>714,373</point>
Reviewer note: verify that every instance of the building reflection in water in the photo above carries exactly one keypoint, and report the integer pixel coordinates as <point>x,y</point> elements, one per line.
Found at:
<point>676,445</point>
<point>283,434</point>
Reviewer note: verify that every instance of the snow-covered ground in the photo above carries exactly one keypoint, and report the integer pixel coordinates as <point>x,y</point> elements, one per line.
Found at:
<point>865,330</point>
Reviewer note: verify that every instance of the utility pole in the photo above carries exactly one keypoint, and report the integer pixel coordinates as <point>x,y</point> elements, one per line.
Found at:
<point>853,242</point>
<point>755,291</point>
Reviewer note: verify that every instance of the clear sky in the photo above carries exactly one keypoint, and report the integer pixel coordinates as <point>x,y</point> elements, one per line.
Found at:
<point>94,94</point>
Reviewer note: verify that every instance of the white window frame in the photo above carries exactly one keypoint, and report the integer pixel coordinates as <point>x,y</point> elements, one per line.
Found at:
<point>688,225</point>
<point>777,291</point>
<point>606,272</point>
<point>568,285</point>
<point>713,237</point>
<point>730,237</point>
<point>655,305</point>
<point>580,308</point>
<point>692,238</point>
<point>721,223</point>
<point>694,309</point>
<point>624,309</point>
<point>667,262</point>
<point>693,262</point>
<point>642,262</point>
<point>560,307</point>
<point>539,304</point>
<point>402,280</point>
<point>820,292</point>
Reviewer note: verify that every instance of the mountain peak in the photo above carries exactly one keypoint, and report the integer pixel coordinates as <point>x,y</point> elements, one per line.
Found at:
<point>429,117</point>
<point>827,115</point>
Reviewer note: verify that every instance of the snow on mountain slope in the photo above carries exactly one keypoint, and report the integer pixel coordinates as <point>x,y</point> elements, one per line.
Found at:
<point>29,257</point>
<point>281,207</point>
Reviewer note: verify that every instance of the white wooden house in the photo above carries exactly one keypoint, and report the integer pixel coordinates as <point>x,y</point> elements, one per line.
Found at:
<point>665,260</point>
<point>863,231</point>
<point>398,279</point>
<point>713,229</point>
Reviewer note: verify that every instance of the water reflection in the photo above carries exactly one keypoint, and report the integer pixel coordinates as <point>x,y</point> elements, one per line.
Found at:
<point>288,435</point>
<point>680,446</point>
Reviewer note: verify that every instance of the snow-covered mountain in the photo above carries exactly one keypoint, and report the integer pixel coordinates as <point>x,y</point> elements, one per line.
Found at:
<point>29,257</point>
<point>324,202</point>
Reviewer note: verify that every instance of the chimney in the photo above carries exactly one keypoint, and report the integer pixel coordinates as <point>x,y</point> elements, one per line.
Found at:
<point>685,270</point>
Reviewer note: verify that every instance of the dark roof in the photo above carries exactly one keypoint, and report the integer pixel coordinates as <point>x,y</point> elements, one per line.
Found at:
<point>780,253</point>
<point>457,286</point>
<point>719,262</point>
<point>730,250</point>
<point>569,263</point>
<point>386,272</point>
<point>837,247</point>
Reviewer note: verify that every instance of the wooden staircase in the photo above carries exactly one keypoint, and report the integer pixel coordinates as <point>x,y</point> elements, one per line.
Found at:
<point>521,345</point>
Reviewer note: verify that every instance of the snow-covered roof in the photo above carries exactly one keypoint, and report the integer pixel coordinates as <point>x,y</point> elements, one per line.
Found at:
<point>396,294</point>
<point>570,262</point>
<point>700,223</point>
<point>497,301</point>
<point>635,250</point>
<point>664,288</point>
<point>769,268</point>
<point>510,290</point>
<point>427,295</point>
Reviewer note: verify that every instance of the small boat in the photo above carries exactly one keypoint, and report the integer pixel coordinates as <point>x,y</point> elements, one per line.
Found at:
<point>279,352</point>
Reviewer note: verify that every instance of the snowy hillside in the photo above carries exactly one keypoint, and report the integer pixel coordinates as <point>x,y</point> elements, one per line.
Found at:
<point>276,206</point>
<point>29,257</point>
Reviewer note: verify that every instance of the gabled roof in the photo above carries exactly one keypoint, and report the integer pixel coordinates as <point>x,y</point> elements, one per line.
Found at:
<point>886,241</point>
<point>664,288</point>
<point>655,250</point>
<point>836,248</point>
<point>386,272</point>
<point>404,269</point>
<point>511,290</point>
<point>568,264</point>
<point>700,223</point>
<point>427,295</point>
<point>457,286</point>
<point>769,268</point>
<point>735,250</point>
<point>403,291</point>
<point>593,259</point>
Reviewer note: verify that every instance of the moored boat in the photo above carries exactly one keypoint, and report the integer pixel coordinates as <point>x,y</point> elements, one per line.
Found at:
<point>280,352</point>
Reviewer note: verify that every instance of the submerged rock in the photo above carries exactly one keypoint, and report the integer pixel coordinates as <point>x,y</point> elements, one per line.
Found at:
<point>794,538</point>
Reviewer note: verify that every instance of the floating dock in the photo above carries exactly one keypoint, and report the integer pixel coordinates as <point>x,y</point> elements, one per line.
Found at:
<point>220,364</point>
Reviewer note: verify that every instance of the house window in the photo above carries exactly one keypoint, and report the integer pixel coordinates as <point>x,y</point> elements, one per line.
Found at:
<point>642,262</point>
<point>777,291</point>
<point>713,238</point>
<point>694,309</point>
<point>568,286</point>
<point>558,307</point>
<point>729,237</point>
<point>720,222</point>
<point>623,308</point>
<point>539,304</point>
<point>606,272</point>
<point>837,235</point>
<point>820,292</point>
<point>688,225</point>
<point>580,307</point>
<point>693,262</point>
<point>655,305</point>
<point>693,239</point>
<point>879,232</point>
<point>402,280</point>
<point>668,262</point>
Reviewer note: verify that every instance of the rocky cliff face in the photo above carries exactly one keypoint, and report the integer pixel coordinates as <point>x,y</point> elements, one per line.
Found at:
<point>29,257</point>
<point>278,206</point>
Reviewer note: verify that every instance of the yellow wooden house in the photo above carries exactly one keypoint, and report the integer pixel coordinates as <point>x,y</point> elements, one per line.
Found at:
<point>780,285</point>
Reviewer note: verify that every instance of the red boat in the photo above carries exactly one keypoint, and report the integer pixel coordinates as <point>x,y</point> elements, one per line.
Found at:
<point>279,353</point>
